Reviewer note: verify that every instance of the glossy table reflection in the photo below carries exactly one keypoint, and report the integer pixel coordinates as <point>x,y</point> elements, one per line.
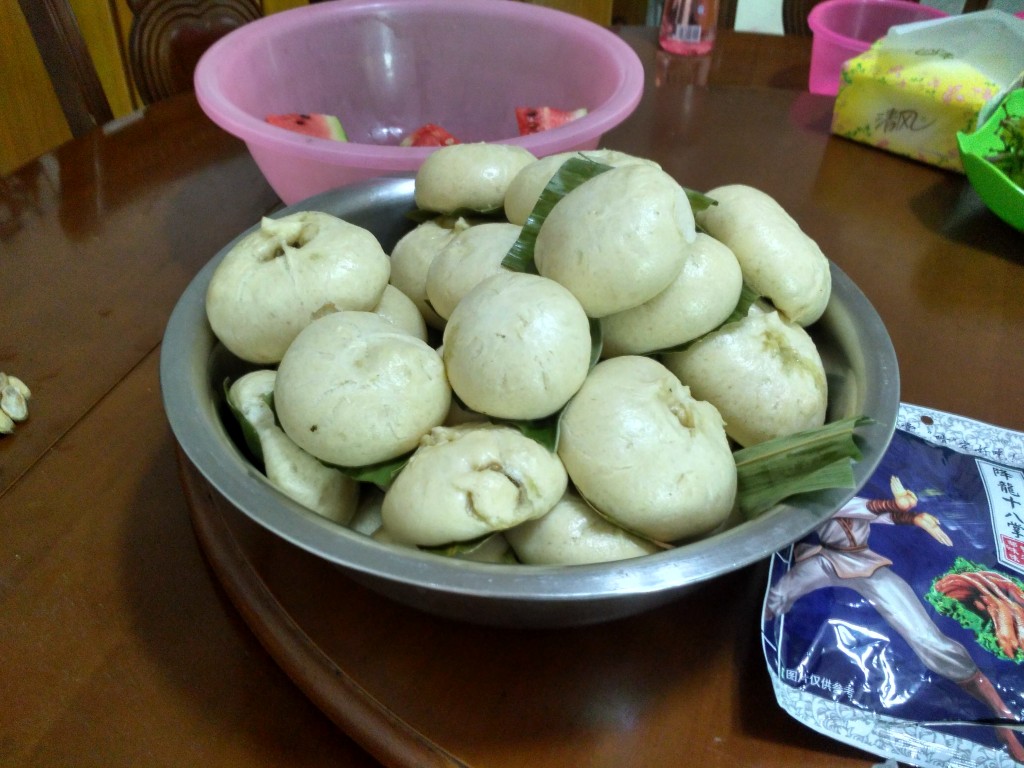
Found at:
<point>143,623</point>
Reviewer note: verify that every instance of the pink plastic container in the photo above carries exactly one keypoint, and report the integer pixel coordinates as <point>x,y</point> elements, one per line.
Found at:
<point>843,29</point>
<point>385,67</point>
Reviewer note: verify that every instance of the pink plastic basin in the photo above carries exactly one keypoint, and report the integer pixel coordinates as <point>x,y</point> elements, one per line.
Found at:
<point>385,67</point>
<point>843,29</point>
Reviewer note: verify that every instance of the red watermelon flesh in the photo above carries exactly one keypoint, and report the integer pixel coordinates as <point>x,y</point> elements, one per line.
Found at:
<point>313,124</point>
<point>429,135</point>
<point>536,119</point>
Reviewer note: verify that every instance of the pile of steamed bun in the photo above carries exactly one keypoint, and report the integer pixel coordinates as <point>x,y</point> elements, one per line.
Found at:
<point>433,355</point>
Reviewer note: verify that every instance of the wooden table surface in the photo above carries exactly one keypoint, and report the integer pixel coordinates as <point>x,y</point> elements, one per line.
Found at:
<point>119,643</point>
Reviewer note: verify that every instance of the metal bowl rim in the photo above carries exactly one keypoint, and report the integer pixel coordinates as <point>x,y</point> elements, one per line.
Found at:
<point>207,446</point>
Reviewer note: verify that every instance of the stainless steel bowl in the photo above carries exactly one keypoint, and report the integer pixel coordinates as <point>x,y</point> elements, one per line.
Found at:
<point>863,379</point>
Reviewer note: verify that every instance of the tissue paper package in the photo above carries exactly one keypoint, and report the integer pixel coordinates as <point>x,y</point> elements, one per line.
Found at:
<point>915,88</point>
<point>898,626</point>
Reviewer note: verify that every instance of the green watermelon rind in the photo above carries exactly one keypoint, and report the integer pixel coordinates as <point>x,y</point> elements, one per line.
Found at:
<point>314,124</point>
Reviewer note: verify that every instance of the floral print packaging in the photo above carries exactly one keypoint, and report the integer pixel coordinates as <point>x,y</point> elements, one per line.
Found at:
<point>915,88</point>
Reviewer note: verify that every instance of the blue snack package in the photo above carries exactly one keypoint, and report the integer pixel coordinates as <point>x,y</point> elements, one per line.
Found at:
<point>897,626</point>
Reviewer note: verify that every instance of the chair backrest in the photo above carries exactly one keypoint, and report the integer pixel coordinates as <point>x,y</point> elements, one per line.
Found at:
<point>794,16</point>
<point>68,63</point>
<point>168,37</point>
<point>727,14</point>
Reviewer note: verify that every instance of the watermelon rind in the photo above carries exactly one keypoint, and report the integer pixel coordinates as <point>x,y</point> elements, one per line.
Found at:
<point>319,126</point>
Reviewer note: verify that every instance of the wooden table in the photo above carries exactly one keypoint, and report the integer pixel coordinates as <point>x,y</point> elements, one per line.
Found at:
<point>126,639</point>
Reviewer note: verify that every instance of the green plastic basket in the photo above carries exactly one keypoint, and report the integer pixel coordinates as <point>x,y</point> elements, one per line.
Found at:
<point>994,187</point>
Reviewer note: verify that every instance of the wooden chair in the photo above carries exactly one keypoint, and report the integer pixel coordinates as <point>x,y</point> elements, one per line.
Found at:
<point>794,16</point>
<point>68,64</point>
<point>727,14</point>
<point>168,37</point>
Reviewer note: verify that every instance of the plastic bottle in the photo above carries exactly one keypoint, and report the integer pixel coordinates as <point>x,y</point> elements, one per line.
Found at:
<point>688,26</point>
